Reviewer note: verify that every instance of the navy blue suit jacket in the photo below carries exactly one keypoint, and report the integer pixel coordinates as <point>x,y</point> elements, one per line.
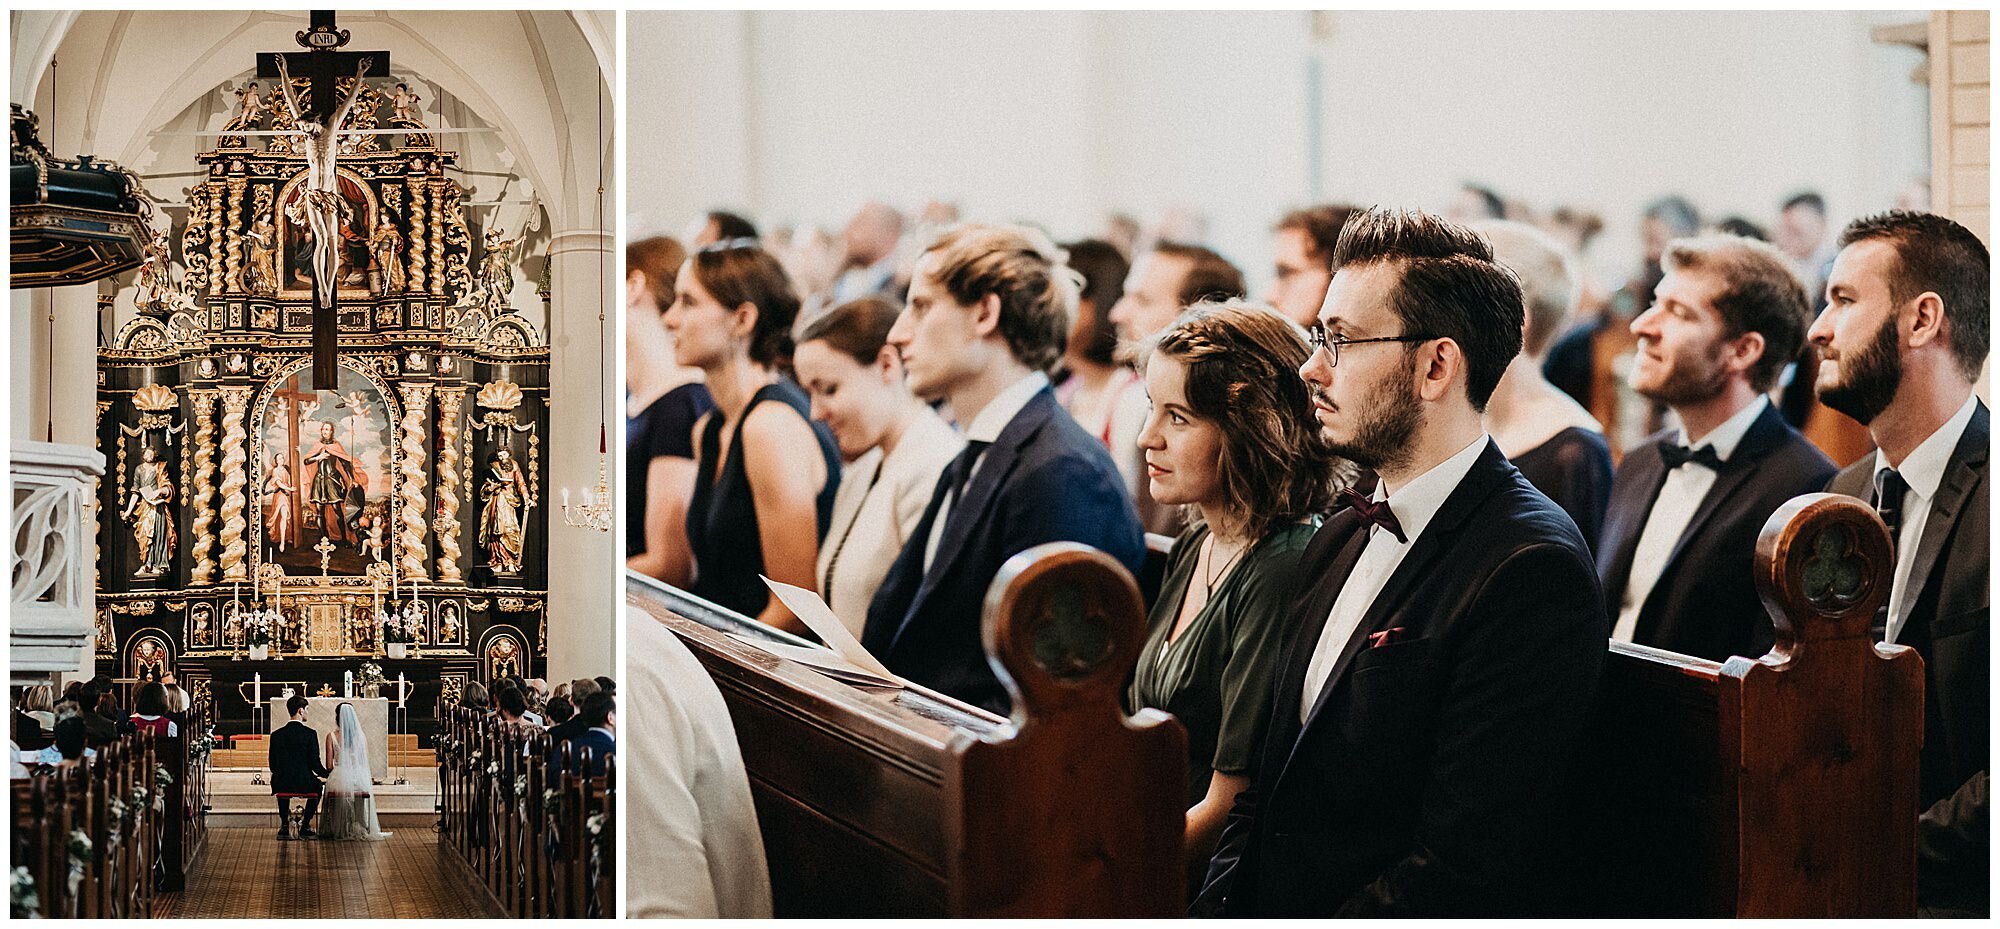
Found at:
<point>1043,480</point>
<point>589,750</point>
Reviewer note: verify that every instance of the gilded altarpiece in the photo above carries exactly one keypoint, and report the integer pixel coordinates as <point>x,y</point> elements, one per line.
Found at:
<point>417,483</point>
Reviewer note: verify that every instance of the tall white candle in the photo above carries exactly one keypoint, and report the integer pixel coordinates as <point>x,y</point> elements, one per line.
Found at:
<point>257,688</point>
<point>347,683</point>
<point>399,690</point>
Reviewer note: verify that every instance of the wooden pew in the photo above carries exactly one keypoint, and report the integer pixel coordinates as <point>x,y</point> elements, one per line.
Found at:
<point>142,831</point>
<point>1784,786</point>
<point>879,802</point>
<point>532,829</point>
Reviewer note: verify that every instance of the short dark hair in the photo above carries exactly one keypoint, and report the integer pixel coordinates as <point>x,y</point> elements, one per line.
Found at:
<point>1738,226</point>
<point>598,707</point>
<point>1761,294</point>
<point>1450,287</point>
<point>152,700</point>
<point>1810,199</point>
<point>659,258</point>
<point>473,695</point>
<point>560,709</point>
<point>1321,225</point>
<point>295,704</point>
<point>736,272</point>
<point>512,701</point>
<point>857,328</point>
<point>731,226</point>
<point>1677,213</point>
<point>1241,360</point>
<point>1495,207</point>
<point>1104,269</point>
<point>1210,276</point>
<point>1937,255</point>
<point>606,685</point>
<point>71,737</point>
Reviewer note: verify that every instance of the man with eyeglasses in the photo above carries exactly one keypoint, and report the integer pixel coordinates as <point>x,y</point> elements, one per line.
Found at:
<point>1676,555</point>
<point>1444,656</point>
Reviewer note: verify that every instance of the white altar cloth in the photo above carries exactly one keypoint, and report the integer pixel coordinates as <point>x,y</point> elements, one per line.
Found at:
<point>374,716</point>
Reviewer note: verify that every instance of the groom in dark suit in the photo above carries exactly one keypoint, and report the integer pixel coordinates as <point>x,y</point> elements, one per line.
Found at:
<point>1434,690</point>
<point>1901,342</point>
<point>295,768</point>
<point>988,311</point>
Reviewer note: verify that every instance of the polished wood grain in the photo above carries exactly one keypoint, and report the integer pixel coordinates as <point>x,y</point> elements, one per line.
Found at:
<point>248,873</point>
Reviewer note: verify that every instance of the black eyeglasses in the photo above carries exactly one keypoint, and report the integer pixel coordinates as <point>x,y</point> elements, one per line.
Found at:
<point>1316,337</point>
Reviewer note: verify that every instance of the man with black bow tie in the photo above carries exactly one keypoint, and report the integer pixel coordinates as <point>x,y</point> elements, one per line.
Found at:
<point>1448,645</point>
<point>1686,507</point>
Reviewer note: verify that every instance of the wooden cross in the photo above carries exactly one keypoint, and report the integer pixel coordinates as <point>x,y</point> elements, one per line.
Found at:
<point>325,550</point>
<point>323,63</point>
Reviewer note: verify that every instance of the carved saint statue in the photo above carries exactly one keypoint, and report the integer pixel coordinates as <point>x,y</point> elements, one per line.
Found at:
<point>385,245</point>
<point>330,478</point>
<point>280,490</point>
<point>155,283</point>
<point>260,256</point>
<point>448,623</point>
<point>502,519</point>
<point>146,510</point>
<point>249,109</point>
<point>496,272</point>
<point>323,203</point>
<point>404,103</point>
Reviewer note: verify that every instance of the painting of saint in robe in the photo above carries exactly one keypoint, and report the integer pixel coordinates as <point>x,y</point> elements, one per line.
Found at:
<point>146,512</point>
<point>330,477</point>
<point>502,520</point>
<point>280,495</point>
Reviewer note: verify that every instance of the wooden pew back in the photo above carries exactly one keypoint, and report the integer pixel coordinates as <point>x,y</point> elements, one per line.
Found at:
<point>1777,787</point>
<point>879,802</point>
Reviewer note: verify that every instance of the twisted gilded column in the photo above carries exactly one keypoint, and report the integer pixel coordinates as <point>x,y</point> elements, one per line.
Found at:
<point>235,470</point>
<point>200,538</point>
<point>442,196</point>
<point>449,401</point>
<point>419,224</point>
<point>215,238</point>
<point>233,253</point>
<point>410,466</point>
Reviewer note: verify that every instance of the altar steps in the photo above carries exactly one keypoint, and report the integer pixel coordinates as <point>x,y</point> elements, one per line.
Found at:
<point>236,799</point>
<point>253,751</point>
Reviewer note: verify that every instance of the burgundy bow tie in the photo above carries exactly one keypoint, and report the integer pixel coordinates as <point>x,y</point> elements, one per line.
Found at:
<point>1377,513</point>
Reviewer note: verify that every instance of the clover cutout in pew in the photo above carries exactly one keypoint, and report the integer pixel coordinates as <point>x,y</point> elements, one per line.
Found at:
<point>1072,642</point>
<point>1834,577</point>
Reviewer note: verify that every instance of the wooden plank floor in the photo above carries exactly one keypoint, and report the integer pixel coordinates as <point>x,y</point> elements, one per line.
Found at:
<point>248,873</point>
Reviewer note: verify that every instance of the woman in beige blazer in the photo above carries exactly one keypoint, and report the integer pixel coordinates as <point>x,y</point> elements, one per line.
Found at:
<point>895,448</point>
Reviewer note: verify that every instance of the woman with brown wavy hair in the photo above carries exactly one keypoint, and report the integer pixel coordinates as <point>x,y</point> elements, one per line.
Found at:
<point>1232,439</point>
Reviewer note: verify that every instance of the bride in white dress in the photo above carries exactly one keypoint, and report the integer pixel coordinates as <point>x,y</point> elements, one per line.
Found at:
<point>348,810</point>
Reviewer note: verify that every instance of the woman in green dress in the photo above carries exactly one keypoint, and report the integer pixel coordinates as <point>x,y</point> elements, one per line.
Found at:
<point>1232,438</point>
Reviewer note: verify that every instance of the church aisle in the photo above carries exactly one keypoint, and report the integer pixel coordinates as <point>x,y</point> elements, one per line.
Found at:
<point>247,872</point>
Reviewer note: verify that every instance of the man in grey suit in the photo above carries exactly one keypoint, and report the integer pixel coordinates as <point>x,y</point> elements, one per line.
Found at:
<point>1901,341</point>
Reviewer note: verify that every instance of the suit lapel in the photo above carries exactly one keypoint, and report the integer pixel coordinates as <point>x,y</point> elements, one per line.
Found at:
<point>1627,518</point>
<point>1342,529</point>
<point>1959,480</point>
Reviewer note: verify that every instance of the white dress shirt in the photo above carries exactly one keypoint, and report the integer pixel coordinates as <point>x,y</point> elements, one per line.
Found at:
<point>1923,470</point>
<point>1414,506</point>
<point>876,510</point>
<point>1680,496</point>
<point>986,427</point>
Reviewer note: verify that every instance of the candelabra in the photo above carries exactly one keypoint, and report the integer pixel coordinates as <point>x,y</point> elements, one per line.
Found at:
<point>596,511</point>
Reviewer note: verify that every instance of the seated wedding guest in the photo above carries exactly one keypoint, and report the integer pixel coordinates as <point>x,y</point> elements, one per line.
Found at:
<point>1902,339</point>
<point>473,696</point>
<point>71,744</point>
<point>869,266</point>
<point>988,312</point>
<point>514,707</point>
<point>579,692</point>
<point>720,226</point>
<point>599,739</point>
<point>34,718</point>
<point>765,474</point>
<point>1303,242</point>
<point>1163,281</point>
<point>1680,534</point>
<point>1231,436</point>
<point>177,698</point>
<point>100,715</point>
<point>606,684</point>
<point>1448,633</point>
<point>695,837</point>
<point>149,712</point>
<point>560,711</point>
<point>894,445</point>
<point>1556,443</point>
<point>1099,387</point>
<point>663,400</point>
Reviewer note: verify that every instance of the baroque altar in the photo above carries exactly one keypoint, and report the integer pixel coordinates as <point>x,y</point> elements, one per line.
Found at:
<point>235,485</point>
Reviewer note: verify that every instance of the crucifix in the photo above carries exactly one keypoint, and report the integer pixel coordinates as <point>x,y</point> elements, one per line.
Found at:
<point>323,63</point>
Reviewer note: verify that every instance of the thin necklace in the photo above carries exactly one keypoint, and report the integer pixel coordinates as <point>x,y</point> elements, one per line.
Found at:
<point>1210,580</point>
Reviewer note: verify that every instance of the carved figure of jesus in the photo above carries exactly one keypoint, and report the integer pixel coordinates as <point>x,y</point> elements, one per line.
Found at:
<point>320,142</point>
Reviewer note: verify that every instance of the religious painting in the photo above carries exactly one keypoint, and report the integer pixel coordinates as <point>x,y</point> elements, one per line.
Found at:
<point>325,474</point>
<point>201,626</point>
<point>451,630</point>
<point>357,222</point>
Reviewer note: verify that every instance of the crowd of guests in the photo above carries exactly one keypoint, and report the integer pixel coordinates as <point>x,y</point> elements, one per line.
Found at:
<point>87,716</point>
<point>582,713</point>
<point>1402,535</point>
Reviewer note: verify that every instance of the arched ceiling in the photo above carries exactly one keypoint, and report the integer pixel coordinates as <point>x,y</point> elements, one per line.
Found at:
<point>104,82</point>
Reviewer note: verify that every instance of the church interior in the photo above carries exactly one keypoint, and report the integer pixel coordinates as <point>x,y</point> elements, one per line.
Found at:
<point>311,370</point>
<point>1000,756</point>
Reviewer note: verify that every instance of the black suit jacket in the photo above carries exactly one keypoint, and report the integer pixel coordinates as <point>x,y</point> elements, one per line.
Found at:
<point>1043,479</point>
<point>295,767</point>
<point>1947,626</point>
<point>1705,603</point>
<point>1426,780</point>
